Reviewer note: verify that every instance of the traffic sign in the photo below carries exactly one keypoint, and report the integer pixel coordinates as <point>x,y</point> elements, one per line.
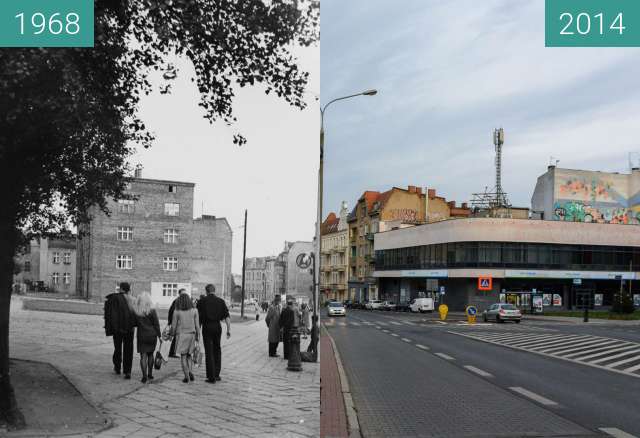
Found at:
<point>471,312</point>
<point>485,283</point>
<point>441,290</point>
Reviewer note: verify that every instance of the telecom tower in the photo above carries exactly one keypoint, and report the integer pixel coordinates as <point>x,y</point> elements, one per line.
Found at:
<point>494,202</point>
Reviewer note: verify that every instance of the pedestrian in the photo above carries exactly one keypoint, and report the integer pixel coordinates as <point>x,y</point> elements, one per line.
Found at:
<point>172,349</point>
<point>147,334</point>
<point>212,311</point>
<point>273,323</point>
<point>184,326</point>
<point>305,320</point>
<point>287,319</point>
<point>119,322</point>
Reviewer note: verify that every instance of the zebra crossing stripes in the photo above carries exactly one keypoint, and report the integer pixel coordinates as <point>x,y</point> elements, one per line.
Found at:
<point>597,351</point>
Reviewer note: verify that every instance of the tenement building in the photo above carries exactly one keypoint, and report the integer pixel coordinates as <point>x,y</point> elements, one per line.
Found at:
<point>261,278</point>
<point>47,265</point>
<point>335,256</point>
<point>533,264</point>
<point>378,212</point>
<point>152,241</point>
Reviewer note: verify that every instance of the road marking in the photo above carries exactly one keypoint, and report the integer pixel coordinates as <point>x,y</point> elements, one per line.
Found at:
<point>632,369</point>
<point>441,322</point>
<point>406,340</point>
<point>615,356</point>
<point>395,322</point>
<point>617,433</point>
<point>385,330</point>
<point>422,347</point>
<point>622,362</point>
<point>357,324</point>
<point>378,327</point>
<point>572,345</point>
<point>343,324</point>
<point>444,356</point>
<point>478,371</point>
<point>408,323</point>
<point>619,346</point>
<point>533,396</point>
<point>394,334</point>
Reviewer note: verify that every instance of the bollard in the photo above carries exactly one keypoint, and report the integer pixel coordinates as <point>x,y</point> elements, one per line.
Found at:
<point>295,362</point>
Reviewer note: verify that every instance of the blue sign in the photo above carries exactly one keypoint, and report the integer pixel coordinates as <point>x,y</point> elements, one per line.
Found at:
<point>472,311</point>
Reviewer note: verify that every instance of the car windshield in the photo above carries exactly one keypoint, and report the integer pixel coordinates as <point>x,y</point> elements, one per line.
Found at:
<point>509,307</point>
<point>335,304</point>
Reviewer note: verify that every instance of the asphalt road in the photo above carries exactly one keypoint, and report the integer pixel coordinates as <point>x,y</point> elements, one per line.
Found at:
<point>412,376</point>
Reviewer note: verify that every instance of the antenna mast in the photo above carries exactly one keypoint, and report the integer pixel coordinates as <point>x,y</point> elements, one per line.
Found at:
<point>494,203</point>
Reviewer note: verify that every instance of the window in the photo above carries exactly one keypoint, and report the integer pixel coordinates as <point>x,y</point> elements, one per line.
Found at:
<point>27,266</point>
<point>56,257</point>
<point>170,235</point>
<point>124,261</point>
<point>170,263</point>
<point>126,206</point>
<point>66,278</point>
<point>173,189</point>
<point>169,289</point>
<point>171,209</point>
<point>55,278</point>
<point>66,258</point>
<point>125,233</point>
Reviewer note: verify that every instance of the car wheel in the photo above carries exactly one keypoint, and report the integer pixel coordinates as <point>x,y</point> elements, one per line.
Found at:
<point>517,321</point>
<point>498,320</point>
<point>484,318</point>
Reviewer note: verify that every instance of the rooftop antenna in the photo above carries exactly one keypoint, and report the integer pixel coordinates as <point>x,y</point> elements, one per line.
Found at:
<point>494,202</point>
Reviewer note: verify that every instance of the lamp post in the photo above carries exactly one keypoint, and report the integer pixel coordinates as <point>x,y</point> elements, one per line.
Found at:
<point>372,92</point>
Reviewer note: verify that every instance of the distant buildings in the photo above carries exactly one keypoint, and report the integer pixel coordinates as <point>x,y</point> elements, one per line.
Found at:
<point>48,264</point>
<point>588,196</point>
<point>261,278</point>
<point>153,242</point>
<point>335,257</point>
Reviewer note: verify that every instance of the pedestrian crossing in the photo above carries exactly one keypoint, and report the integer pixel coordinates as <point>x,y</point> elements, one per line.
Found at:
<point>601,352</point>
<point>335,322</point>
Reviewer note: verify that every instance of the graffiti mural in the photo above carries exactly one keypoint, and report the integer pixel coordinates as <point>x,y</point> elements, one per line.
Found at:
<point>582,189</point>
<point>406,215</point>
<point>572,211</point>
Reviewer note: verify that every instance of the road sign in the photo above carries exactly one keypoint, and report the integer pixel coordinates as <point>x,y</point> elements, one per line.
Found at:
<point>471,312</point>
<point>303,261</point>
<point>443,309</point>
<point>441,290</point>
<point>485,283</point>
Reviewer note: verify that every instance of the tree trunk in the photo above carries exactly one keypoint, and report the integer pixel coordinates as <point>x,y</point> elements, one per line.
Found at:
<point>9,412</point>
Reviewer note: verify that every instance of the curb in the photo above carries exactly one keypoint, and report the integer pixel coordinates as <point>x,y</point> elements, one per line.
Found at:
<point>352,415</point>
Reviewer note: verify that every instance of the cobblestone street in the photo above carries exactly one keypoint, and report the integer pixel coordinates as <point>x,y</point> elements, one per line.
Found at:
<point>257,396</point>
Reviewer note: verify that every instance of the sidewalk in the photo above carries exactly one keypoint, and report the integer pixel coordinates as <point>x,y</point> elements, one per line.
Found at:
<point>257,396</point>
<point>333,419</point>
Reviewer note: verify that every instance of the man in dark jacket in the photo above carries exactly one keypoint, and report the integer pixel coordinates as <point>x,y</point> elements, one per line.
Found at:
<point>212,310</point>
<point>119,322</point>
<point>287,320</point>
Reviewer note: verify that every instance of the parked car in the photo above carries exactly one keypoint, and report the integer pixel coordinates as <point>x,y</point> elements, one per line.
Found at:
<point>336,308</point>
<point>347,304</point>
<point>373,305</point>
<point>421,305</point>
<point>388,305</point>
<point>501,312</point>
<point>403,307</point>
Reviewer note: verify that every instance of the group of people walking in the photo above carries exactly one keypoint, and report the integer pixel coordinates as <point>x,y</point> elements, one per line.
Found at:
<point>281,321</point>
<point>188,323</point>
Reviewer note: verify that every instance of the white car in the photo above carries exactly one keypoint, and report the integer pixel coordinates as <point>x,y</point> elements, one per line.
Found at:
<point>336,308</point>
<point>421,305</point>
<point>374,305</point>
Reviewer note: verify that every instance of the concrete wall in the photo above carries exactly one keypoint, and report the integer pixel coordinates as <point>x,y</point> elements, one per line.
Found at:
<point>298,281</point>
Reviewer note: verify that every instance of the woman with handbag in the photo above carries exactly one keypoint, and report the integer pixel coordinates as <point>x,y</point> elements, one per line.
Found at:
<point>184,327</point>
<point>148,333</point>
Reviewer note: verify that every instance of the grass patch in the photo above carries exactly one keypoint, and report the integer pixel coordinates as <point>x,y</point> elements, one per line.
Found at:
<point>597,314</point>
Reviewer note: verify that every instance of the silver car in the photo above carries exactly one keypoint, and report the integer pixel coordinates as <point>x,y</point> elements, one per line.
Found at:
<point>501,312</point>
<point>336,309</point>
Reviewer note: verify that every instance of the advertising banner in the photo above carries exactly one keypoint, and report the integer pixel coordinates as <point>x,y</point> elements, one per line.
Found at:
<point>557,300</point>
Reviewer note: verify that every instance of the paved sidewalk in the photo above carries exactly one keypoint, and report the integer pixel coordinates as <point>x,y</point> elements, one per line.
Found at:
<point>333,420</point>
<point>257,396</point>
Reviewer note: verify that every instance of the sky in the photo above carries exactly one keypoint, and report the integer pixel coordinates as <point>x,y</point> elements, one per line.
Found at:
<point>448,73</point>
<point>273,176</point>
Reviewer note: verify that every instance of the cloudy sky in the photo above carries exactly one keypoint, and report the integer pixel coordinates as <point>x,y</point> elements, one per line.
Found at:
<point>274,175</point>
<point>448,73</point>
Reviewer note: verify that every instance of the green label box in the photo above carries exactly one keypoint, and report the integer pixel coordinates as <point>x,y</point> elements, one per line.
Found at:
<point>46,23</point>
<point>592,23</point>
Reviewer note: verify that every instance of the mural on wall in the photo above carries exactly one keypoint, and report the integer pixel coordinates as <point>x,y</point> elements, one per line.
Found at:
<point>405,215</point>
<point>591,199</point>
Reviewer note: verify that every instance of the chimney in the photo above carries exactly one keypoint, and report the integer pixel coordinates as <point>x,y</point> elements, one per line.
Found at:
<point>138,171</point>
<point>451,204</point>
<point>419,190</point>
<point>464,205</point>
<point>412,189</point>
<point>431,193</point>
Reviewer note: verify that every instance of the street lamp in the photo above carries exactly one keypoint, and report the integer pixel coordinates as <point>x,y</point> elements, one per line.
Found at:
<point>371,92</point>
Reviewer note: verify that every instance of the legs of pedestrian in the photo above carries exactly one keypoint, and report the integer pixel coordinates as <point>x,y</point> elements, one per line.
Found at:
<point>207,339</point>
<point>217,353</point>
<point>150,366</point>
<point>184,361</point>
<point>285,344</point>
<point>117,353</point>
<point>127,355</point>
<point>144,359</point>
<point>273,349</point>
<point>172,349</point>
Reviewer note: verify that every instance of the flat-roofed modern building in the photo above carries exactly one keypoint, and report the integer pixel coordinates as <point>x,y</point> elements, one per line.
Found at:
<point>154,243</point>
<point>517,261</point>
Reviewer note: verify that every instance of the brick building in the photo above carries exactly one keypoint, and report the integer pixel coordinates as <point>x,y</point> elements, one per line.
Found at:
<point>50,264</point>
<point>153,242</point>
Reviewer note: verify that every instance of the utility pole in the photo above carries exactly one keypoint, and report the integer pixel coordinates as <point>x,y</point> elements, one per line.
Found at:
<point>244,258</point>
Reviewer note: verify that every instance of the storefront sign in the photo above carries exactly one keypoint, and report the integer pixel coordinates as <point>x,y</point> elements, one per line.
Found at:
<point>485,283</point>
<point>589,275</point>
<point>597,299</point>
<point>418,273</point>
<point>546,299</point>
<point>557,300</point>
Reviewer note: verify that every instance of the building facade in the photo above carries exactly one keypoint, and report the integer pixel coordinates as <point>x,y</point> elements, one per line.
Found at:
<point>533,264</point>
<point>379,212</point>
<point>334,265</point>
<point>261,278</point>
<point>296,282</point>
<point>48,264</point>
<point>588,196</point>
<point>152,241</point>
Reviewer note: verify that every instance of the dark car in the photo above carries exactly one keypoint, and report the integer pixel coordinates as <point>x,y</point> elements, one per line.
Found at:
<point>403,307</point>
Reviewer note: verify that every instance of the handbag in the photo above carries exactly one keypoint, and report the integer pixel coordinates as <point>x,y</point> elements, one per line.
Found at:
<point>157,363</point>
<point>197,355</point>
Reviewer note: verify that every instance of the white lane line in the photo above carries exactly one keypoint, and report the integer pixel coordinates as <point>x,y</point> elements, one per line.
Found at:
<point>406,340</point>
<point>378,327</point>
<point>394,334</point>
<point>571,346</point>
<point>587,345</point>
<point>382,323</point>
<point>617,433</point>
<point>478,371</point>
<point>444,356</point>
<point>615,356</point>
<point>622,362</point>
<point>395,322</point>
<point>357,324</point>
<point>442,322</point>
<point>601,350</point>
<point>343,324</point>
<point>544,341</point>
<point>533,396</point>
<point>408,323</point>
<point>422,347</point>
<point>385,330</point>
<point>632,369</point>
